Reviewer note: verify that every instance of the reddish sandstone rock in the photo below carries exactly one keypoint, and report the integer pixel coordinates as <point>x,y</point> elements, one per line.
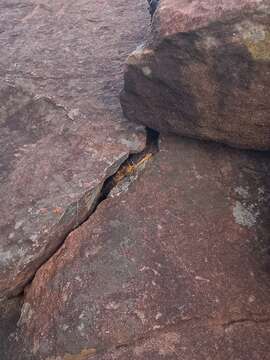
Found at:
<point>204,72</point>
<point>62,132</point>
<point>198,341</point>
<point>9,316</point>
<point>174,268</point>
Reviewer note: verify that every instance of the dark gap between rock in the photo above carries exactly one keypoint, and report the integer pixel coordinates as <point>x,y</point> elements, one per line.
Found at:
<point>133,165</point>
<point>129,167</point>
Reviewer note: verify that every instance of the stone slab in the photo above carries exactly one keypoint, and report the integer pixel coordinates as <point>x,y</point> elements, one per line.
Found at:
<point>182,255</point>
<point>62,132</point>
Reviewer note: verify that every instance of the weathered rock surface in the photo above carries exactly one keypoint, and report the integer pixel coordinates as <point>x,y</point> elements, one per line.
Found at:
<point>204,72</point>
<point>172,269</point>
<point>10,311</point>
<point>199,341</point>
<point>62,132</point>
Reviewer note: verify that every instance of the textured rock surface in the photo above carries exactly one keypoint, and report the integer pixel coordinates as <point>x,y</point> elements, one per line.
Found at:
<point>61,127</point>
<point>204,72</point>
<point>9,316</point>
<point>174,268</point>
<point>199,341</point>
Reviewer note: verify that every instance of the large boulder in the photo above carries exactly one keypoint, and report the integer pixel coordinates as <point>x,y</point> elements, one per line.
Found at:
<point>204,72</point>
<point>62,132</point>
<point>175,268</point>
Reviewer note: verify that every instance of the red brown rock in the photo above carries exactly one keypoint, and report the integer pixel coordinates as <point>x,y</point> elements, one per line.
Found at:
<point>199,341</point>
<point>204,72</point>
<point>10,311</point>
<point>62,132</point>
<point>174,268</point>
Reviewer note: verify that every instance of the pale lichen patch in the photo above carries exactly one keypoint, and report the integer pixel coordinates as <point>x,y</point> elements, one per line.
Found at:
<point>146,71</point>
<point>18,224</point>
<point>245,215</point>
<point>242,191</point>
<point>26,314</point>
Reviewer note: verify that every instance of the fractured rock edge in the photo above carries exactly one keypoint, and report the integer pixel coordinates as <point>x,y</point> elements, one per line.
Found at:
<point>71,131</point>
<point>39,315</point>
<point>122,173</point>
<point>118,177</point>
<point>74,213</point>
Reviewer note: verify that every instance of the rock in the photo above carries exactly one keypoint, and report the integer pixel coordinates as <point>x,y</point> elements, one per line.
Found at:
<point>9,316</point>
<point>174,268</point>
<point>62,132</point>
<point>204,72</point>
<point>198,341</point>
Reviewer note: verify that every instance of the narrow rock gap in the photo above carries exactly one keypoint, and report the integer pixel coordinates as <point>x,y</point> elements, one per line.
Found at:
<point>131,166</point>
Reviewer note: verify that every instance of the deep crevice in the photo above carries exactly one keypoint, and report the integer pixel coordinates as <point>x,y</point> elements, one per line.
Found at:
<point>129,167</point>
<point>132,164</point>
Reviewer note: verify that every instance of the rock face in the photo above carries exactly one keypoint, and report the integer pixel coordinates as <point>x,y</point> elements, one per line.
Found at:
<point>199,341</point>
<point>172,269</point>
<point>62,132</point>
<point>204,72</point>
<point>9,315</point>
